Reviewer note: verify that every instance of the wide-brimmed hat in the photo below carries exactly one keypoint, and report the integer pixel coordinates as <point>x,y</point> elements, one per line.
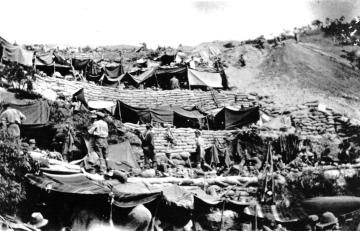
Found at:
<point>37,220</point>
<point>326,219</point>
<point>32,141</point>
<point>313,218</point>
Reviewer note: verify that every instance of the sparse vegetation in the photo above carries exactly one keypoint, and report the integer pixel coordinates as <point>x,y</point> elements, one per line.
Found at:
<point>14,165</point>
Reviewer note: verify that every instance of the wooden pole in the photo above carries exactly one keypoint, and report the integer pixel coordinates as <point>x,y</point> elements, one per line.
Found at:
<point>256,223</point>
<point>272,175</point>
<point>222,216</point>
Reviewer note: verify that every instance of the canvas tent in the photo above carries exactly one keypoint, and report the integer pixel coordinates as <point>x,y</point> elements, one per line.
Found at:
<point>160,76</point>
<point>127,194</point>
<point>230,118</point>
<point>277,213</point>
<point>165,114</point>
<point>204,79</point>
<point>36,126</point>
<point>335,204</point>
<point>14,53</point>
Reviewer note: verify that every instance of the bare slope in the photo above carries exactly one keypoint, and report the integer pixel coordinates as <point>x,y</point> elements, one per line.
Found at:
<point>302,72</point>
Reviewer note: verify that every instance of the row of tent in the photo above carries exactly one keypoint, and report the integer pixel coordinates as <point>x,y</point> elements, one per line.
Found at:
<point>131,194</point>
<point>226,117</point>
<point>111,75</point>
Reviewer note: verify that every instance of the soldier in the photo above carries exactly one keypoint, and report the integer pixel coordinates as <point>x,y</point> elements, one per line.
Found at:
<point>100,131</point>
<point>11,119</point>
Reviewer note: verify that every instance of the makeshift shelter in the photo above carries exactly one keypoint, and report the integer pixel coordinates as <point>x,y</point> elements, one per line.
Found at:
<point>165,114</point>
<point>204,79</point>
<point>49,63</point>
<point>160,76</point>
<point>37,112</point>
<point>36,125</point>
<point>14,53</point>
<point>230,118</point>
<point>336,204</point>
<point>277,213</point>
<point>122,157</point>
<point>74,184</point>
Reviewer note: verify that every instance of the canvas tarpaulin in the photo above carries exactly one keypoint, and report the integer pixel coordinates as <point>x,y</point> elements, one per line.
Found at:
<point>172,70</point>
<point>106,82</point>
<point>60,60</point>
<point>132,114</point>
<point>17,54</point>
<point>209,79</point>
<point>145,75</point>
<point>163,114</point>
<point>335,204</point>
<point>36,112</point>
<point>74,183</point>
<point>121,156</point>
<point>113,71</point>
<point>129,194</point>
<point>80,64</point>
<point>276,212</point>
<point>44,59</point>
<point>127,113</point>
<point>93,72</point>
<point>229,118</point>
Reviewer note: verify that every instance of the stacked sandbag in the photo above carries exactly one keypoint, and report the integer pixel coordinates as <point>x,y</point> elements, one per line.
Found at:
<point>312,120</point>
<point>184,139</point>
<point>187,99</point>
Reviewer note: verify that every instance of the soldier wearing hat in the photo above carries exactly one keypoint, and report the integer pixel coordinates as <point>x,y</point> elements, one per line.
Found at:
<point>37,220</point>
<point>327,221</point>
<point>100,131</point>
<point>199,151</point>
<point>11,118</point>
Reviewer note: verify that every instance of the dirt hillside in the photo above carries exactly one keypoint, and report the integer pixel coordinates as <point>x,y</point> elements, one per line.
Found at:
<point>297,73</point>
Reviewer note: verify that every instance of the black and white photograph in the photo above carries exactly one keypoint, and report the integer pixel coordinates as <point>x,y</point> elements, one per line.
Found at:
<point>180,115</point>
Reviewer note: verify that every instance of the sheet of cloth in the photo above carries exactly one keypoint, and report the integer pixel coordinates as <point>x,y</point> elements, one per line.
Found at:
<point>74,184</point>
<point>80,64</point>
<point>17,54</point>
<point>164,114</point>
<point>44,59</point>
<point>113,71</point>
<point>335,204</point>
<point>217,154</point>
<point>122,153</point>
<point>231,119</point>
<point>36,112</point>
<point>209,79</point>
<point>277,213</point>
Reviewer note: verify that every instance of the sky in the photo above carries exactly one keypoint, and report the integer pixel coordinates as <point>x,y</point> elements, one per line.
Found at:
<point>159,22</point>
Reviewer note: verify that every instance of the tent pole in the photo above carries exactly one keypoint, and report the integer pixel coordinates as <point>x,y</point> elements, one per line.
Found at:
<point>187,73</point>
<point>157,83</point>
<point>2,54</point>
<point>256,223</point>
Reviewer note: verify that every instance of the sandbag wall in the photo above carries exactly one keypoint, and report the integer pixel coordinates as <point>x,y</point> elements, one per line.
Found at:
<point>184,138</point>
<point>309,120</point>
<point>147,98</point>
